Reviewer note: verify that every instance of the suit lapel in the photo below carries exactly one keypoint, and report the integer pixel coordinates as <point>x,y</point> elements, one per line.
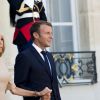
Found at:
<point>37,55</point>
<point>39,58</point>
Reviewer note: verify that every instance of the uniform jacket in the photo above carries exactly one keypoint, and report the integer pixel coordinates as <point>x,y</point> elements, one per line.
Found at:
<point>22,26</point>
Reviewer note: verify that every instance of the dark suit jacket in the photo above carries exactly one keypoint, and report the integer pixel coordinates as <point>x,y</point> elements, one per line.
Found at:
<point>31,73</point>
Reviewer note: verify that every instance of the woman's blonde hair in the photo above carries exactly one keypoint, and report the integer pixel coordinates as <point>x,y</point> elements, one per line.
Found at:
<point>3,46</point>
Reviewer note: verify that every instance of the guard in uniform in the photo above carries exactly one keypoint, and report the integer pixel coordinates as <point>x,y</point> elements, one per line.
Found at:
<point>23,13</point>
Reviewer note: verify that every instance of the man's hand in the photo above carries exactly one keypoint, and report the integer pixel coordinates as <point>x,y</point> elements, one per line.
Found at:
<point>45,91</point>
<point>46,97</point>
<point>45,94</point>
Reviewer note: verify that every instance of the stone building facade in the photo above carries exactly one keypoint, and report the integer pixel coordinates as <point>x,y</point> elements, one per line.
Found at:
<point>88,24</point>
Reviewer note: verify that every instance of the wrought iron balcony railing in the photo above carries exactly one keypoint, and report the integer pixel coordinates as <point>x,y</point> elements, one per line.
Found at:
<point>75,67</point>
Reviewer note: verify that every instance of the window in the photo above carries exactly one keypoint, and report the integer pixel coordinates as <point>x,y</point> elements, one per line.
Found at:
<point>72,67</point>
<point>62,15</point>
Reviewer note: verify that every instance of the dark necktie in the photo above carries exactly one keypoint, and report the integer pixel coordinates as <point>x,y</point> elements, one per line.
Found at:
<point>47,62</point>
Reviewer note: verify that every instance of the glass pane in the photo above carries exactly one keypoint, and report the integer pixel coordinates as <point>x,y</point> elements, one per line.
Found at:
<point>62,38</point>
<point>60,11</point>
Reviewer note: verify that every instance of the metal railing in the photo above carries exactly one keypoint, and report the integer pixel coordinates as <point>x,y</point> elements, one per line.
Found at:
<point>75,68</point>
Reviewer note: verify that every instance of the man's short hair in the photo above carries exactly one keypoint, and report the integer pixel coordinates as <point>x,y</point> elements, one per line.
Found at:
<point>36,27</point>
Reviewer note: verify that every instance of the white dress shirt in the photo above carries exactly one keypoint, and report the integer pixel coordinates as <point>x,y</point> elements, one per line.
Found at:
<point>39,50</point>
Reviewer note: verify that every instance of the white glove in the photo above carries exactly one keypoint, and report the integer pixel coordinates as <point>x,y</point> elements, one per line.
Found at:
<point>30,3</point>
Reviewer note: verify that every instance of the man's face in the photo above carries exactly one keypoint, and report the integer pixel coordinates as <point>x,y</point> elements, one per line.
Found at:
<point>45,37</point>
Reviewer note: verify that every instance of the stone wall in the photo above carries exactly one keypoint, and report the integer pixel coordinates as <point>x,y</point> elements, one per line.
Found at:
<point>94,29</point>
<point>84,44</point>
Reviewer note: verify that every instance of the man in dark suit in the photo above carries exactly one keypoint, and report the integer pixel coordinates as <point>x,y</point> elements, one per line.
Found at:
<point>34,67</point>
